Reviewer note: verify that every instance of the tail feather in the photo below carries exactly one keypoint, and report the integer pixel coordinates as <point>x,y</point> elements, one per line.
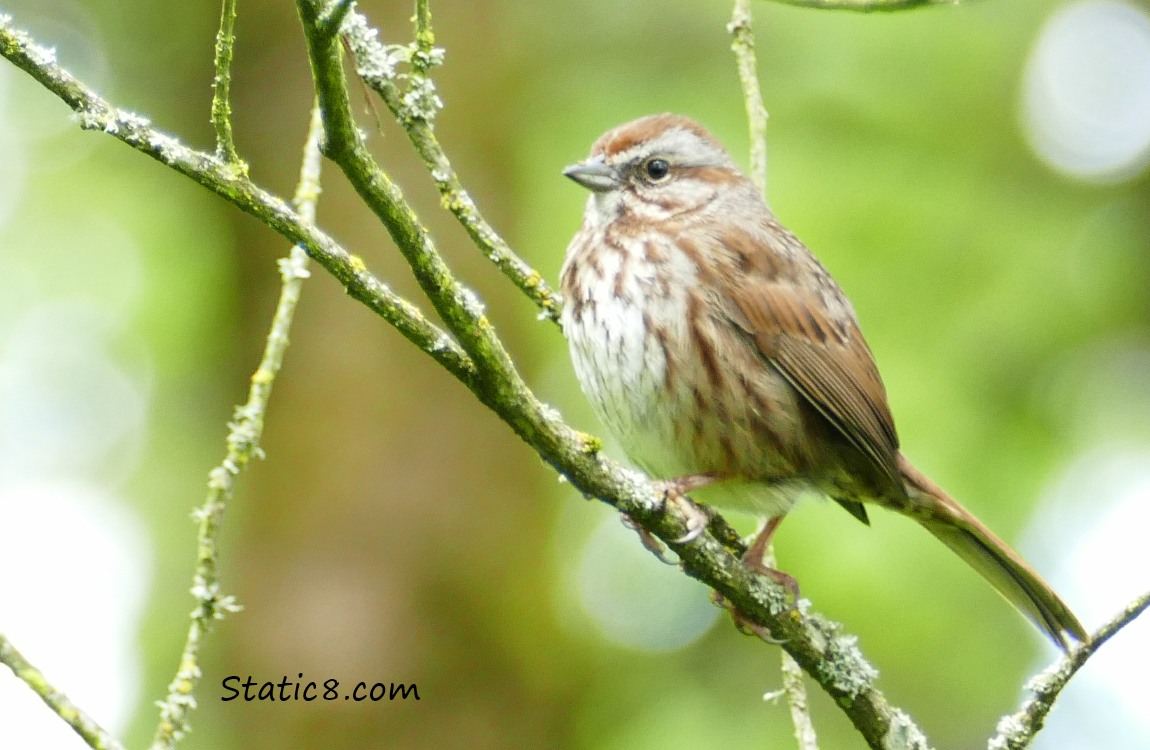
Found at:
<point>1000,565</point>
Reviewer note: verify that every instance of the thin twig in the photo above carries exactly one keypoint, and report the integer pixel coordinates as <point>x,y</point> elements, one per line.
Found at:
<point>796,693</point>
<point>92,733</point>
<point>243,444</point>
<point>867,6</point>
<point>743,45</point>
<point>424,36</point>
<point>222,84</point>
<point>456,304</point>
<point>375,65</point>
<point>794,688</point>
<point>1017,730</point>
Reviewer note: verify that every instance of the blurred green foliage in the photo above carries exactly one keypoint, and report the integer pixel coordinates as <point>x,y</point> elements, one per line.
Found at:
<point>398,532</point>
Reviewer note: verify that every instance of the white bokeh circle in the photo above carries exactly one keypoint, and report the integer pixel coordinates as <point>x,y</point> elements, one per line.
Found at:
<point>1086,91</point>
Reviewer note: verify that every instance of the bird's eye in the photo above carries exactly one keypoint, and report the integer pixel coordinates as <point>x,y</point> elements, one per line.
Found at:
<point>657,170</point>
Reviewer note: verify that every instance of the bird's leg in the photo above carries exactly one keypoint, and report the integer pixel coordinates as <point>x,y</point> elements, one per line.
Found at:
<point>754,555</point>
<point>753,558</point>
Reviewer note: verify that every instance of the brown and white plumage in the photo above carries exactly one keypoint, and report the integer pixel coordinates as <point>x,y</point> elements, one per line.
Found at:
<point>710,341</point>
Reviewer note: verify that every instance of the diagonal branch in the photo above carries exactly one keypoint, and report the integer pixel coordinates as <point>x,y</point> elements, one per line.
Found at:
<point>92,733</point>
<point>95,113</point>
<point>375,65</point>
<point>243,444</point>
<point>456,304</point>
<point>1016,731</point>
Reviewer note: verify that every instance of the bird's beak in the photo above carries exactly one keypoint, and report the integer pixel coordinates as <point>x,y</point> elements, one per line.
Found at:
<point>594,174</point>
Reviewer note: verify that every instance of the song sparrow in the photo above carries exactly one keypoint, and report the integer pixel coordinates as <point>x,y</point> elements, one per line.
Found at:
<point>726,360</point>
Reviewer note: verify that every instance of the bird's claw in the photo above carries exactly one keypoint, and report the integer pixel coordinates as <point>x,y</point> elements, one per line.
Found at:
<point>697,519</point>
<point>743,623</point>
<point>674,491</point>
<point>649,541</point>
<point>751,628</point>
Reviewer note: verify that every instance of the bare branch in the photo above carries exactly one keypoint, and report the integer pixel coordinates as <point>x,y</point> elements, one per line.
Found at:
<point>221,85</point>
<point>794,689</point>
<point>243,444</point>
<point>375,64</point>
<point>1016,731</point>
<point>457,305</point>
<point>424,36</point>
<point>743,45</point>
<point>867,6</point>
<point>796,693</point>
<point>92,733</point>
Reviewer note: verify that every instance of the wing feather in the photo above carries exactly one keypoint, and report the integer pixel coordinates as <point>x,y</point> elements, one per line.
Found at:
<point>804,327</point>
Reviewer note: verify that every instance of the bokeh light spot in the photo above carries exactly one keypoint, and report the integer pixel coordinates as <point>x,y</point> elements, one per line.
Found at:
<point>84,560</point>
<point>635,600</point>
<point>1086,91</point>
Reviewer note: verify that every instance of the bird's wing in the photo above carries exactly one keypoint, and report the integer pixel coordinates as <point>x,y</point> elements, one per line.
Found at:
<point>807,331</point>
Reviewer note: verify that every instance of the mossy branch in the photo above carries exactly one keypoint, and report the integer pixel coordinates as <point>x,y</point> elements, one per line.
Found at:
<point>376,64</point>
<point>222,86</point>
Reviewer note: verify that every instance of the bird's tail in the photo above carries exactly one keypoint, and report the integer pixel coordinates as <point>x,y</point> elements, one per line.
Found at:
<point>1004,568</point>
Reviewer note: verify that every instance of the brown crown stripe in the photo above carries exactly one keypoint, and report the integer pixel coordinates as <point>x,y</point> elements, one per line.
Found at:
<point>629,136</point>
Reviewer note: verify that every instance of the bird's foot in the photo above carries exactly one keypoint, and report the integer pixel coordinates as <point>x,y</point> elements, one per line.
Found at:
<point>781,577</point>
<point>753,558</point>
<point>744,623</point>
<point>675,491</point>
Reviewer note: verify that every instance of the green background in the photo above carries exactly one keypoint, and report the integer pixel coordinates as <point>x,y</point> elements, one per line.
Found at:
<point>399,532</point>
